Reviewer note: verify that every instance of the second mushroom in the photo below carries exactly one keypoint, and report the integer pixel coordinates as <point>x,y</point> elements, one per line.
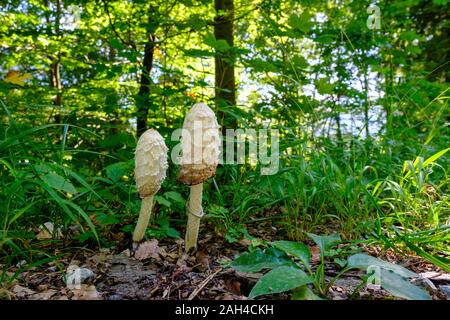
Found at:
<point>200,143</point>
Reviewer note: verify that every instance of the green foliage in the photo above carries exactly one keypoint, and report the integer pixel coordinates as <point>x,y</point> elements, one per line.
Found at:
<point>393,278</point>
<point>287,274</point>
<point>280,279</point>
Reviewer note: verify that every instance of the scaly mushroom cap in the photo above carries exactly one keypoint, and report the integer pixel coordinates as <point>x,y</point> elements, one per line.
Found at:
<point>200,143</point>
<point>151,163</point>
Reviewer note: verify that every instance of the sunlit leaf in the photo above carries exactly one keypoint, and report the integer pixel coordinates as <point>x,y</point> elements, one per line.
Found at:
<point>281,279</point>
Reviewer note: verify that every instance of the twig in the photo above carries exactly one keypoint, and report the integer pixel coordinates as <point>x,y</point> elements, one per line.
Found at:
<point>203,284</point>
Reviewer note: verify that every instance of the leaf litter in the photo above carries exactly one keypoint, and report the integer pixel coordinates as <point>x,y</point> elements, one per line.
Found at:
<point>161,270</point>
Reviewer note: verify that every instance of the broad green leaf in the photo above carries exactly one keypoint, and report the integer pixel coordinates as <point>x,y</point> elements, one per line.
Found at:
<point>257,260</point>
<point>175,196</point>
<point>299,62</point>
<point>281,279</point>
<point>323,86</point>
<point>325,242</point>
<point>305,293</point>
<point>364,261</point>
<point>58,183</point>
<point>297,249</point>
<point>400,287</point>
<point>197,53</point>
<point>301,22</point>
<point>116,44</point>
<point>164,226</point>
<point>221,45</point>
<point>162,201</point>
<point>210,39</point>
<point>117,170</point>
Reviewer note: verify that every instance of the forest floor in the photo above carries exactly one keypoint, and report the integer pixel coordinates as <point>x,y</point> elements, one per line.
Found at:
<point>161,270</point>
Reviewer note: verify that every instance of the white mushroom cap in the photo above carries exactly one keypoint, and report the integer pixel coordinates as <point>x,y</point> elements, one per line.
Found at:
<point>151,163</point>
<point>200,143</point>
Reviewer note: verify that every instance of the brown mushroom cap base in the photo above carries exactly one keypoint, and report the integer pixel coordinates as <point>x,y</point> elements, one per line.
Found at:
<point>148,189</point>
<point>193,174</point>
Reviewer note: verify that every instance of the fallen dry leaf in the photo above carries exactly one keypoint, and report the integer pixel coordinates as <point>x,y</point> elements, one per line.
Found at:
<point>315,254</point>
<point>147,249</point>
<point>46,231</point>
<point>22,292</point>
<point>16,77</point>
<point>86,293</point>
<point>5,294</point>
<point>45,295</point>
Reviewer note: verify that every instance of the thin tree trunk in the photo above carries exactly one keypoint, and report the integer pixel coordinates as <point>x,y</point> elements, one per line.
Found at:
<point>143,98</point>
<point>224,62</point>
<point>337,118</point>
<point>55,69</point>
<point>366,104</point>
<point>115,122</point>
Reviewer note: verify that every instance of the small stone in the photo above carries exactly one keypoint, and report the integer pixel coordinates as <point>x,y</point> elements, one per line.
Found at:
<point>436,276</point>
<point>446,290</point>
<point>21,263</point>
<point>76,276</point>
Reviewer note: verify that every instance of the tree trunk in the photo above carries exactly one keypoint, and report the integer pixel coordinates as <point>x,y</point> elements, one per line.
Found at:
<point>143,97</point>
<point>55,69</point>
<point>366,103</point>
<point>225,86</point>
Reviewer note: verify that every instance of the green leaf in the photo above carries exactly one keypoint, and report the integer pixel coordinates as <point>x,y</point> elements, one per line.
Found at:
<point>297,249</point>
<point>221,45</point>
<point>325,242</point>
<point>305,293</point>
<point>172,233</point>
<point>323,87</point>
<point>116,171</point>
<point>106,219</point>
<point>175,196</point>
<point>210,39</point>
<point>162,201</point>
<point>364,261</point>
<point>435,156</point>
<point>197,53</point>
<point>116,44</point>
<point>281,279</point>
<point>165,229</point>
<point>299,62</point>
<point>441,2</point>
<point>257,260</point>
<point>400,287</point>
<point>301,22</point>
<point>58,183</point>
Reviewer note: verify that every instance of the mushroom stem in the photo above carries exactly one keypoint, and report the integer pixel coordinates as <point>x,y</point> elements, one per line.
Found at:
<point>194,212</point>
<point>144,218</point>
